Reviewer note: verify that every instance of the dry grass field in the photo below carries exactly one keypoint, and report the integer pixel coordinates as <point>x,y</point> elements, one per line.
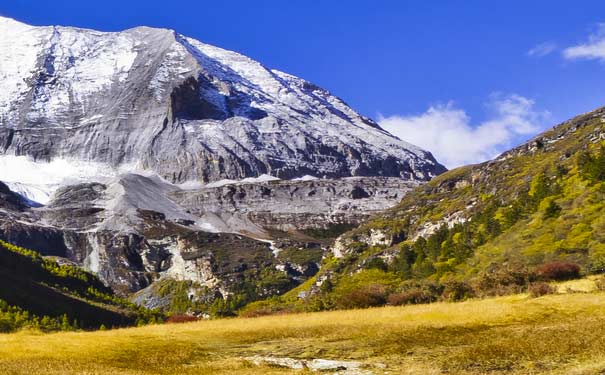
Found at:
<point>554,334</point>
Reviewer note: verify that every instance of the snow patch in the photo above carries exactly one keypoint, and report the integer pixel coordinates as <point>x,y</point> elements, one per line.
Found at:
<point>35,194</point>
<point>305,178</point>
<point>38,181</point>
<point>191,185</point>
<point>249,180</point>
<point>220,183</point>
<point>261,178</point>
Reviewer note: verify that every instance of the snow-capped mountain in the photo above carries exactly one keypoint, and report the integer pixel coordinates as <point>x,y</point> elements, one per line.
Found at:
<point>146,155</point>
<point>152,99</point>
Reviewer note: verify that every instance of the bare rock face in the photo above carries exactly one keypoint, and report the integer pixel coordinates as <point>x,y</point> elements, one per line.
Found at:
<point>294,205</point>
<point>10,200</point>
<point>160,101</point>
<point>135,230</point>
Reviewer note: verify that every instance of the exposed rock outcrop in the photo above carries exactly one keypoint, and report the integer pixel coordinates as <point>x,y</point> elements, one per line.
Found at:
<point>137,229</point>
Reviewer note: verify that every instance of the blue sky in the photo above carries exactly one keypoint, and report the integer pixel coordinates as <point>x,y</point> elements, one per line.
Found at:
<point>442,74</point>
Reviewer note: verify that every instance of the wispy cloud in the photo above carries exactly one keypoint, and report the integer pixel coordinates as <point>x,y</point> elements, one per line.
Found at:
<point>450,135</point>
<point>594,49</point>
<point>542,49</point>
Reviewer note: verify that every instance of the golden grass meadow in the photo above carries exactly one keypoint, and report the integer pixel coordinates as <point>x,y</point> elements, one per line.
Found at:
<point>555,334</point>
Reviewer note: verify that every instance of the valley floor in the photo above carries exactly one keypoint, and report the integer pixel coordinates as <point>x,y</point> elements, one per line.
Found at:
<point>555,334</point>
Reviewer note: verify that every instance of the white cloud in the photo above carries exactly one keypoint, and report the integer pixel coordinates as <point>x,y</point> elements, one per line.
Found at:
<point>594,49</point>
<point>450,135</point>
<point>542,49</point>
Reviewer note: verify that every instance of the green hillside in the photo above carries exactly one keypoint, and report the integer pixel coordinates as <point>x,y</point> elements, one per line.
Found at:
<point>37,292</point>
<point>534,214</point>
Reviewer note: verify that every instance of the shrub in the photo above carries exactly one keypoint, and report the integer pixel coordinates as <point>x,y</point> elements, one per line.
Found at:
<point>414,292</point>
<point>499,281</point>
<point>558,271</point>
<point>332,231</point>
<point>592,167</point>
<point>371,284</point>
<point>540,288</point>
<point>413,296</point>
<point>366,296</point>
<point>271,306</point>
<point>301,256</point>
<point>181,318</point>
<point>552,210</point>
<point>377,263</point>
<point>255,313</point>
<point>457,291</point>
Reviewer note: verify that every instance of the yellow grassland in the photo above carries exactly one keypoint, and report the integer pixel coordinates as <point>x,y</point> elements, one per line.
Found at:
<point>554,334</point>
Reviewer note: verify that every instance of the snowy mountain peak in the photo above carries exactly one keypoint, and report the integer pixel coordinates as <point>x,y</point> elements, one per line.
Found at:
<point>11,25</point>
<point>8,20</point>
<point>185,110</point>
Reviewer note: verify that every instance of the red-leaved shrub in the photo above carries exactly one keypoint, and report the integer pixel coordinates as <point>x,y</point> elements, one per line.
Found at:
<point>558,271</point>
<point>413,296</point>
<point>256,312</point>
<point>181,318</point>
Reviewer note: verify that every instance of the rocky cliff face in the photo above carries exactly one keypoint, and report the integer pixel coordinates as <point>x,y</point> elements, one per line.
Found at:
<point>135,230</point>
<point>156,100</point>
<point>292,205</point>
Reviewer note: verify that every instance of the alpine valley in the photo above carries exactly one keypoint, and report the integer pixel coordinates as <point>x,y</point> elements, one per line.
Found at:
<point>164,173</point>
